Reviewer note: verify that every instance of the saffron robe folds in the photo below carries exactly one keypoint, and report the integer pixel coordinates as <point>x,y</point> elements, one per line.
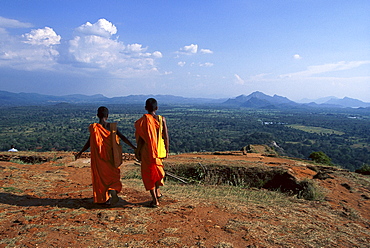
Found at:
<point>151,166</point>
<point>105,176</point>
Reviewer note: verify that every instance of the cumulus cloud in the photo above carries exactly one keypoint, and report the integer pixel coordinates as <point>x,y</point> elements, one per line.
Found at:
<point>11,23</point>
<point>36,50</point>
<point>43,36</point>
<point>297,56</point>
<point>102,28</point>
<point>238,79</point>
<point>93,46</point>
<point>191,49</point>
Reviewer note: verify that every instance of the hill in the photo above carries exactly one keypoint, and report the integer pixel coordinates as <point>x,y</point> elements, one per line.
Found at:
<point>260,100</point>
<point>50,205</point>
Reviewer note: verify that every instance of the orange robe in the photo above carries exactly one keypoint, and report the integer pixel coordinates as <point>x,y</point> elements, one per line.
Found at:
<point>151,166</point>
<point>105,176</point>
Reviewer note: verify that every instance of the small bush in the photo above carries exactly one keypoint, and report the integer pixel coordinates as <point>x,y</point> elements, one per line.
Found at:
<point>311,191</point>
<point>321,158</point>
<point>364,170</point>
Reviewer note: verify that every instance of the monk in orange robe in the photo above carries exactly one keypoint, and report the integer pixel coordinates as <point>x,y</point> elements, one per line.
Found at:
<point>105,176</point>
<point>147,129</point>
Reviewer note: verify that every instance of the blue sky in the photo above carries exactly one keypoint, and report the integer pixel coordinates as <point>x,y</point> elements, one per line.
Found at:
<point>214,49</point>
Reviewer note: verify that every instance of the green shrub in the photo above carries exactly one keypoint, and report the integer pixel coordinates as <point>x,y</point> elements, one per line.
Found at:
<point>321,158</point>
<point>365,170</point>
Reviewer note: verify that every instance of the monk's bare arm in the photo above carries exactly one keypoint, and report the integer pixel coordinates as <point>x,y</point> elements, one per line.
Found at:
<point>166,138</point>
<point>86,146</point>
<point>124,139</point>
<point>140,144</point>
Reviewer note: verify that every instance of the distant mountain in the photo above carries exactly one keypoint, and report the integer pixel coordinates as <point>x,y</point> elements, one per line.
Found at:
<point>347,102</point>
<point>317,101</point>
<point>26,99</point>
<point>256,100</point>
<point>334,102</point>
<point>260,100</point>
<point>29,99</point>
<point>163,99</point>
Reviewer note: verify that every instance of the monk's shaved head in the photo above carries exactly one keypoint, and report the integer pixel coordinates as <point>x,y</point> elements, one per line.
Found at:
<point>102,112</point>
<point>151,104</point>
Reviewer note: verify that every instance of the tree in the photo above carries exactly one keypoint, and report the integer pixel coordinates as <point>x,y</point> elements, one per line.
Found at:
<point>320,157</point>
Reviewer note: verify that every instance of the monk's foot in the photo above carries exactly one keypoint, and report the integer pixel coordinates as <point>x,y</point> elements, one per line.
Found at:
<point>153,204</point>
<point>113,197</point>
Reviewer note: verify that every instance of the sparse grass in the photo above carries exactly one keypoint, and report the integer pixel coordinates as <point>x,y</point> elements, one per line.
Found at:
<point>169,241</point>
<point>28,217</point>
<point>59,164</point>
<point>170,230</point>
<point>13,168</point>
<point>10,242</point>
<point>133,229</point>
<point>351,213</point>
<point>224,245</point>
<point>18,161</point>
<point>12,190</point>
<point>132,174</point>
<point>223,194</point>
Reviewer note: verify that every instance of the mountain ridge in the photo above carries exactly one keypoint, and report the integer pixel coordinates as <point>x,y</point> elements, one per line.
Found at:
<point>255,100</point>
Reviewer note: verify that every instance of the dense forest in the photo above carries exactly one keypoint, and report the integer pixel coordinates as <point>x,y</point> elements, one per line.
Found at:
<point>342,134</point>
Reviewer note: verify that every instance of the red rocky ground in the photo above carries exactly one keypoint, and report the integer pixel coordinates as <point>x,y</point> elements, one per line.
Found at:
<point>50,205</point>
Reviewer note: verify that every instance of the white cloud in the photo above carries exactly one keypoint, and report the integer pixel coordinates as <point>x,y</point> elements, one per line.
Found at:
<point>206,51</point>
<point>135,48</point>
<point>319,69</point>
<point>181,63</point>
<point>36,50</point>
<point>157,54</point>
<point>11,23</point>
<point>259,77</point>
<point>92,48</point>
<point>297,56</point>
<point>191,49</point>
<point>45,36</point>
<point>239,80</point>
<point>102,28</point>
<point>207,64</point>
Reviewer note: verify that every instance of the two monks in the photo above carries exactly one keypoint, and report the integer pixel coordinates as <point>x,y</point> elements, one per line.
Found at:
<point>153,145</point>
<point>106,178</point>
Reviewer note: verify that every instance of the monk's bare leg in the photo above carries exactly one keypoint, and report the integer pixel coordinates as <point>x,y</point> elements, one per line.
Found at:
<point>155,201</point>
<point>113,197</point>
<point>157,191</point>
